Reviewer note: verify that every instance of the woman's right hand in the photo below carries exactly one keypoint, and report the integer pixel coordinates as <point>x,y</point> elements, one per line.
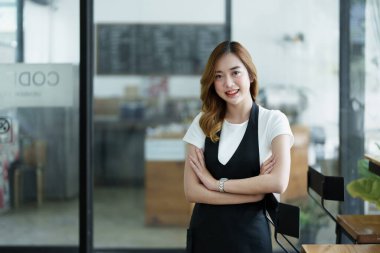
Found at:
<point>267,166</point>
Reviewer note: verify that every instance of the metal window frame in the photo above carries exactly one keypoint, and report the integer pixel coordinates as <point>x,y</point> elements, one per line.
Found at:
<point>351,119</point>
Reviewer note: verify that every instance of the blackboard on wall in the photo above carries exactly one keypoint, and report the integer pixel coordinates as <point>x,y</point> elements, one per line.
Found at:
<point>145,49</point>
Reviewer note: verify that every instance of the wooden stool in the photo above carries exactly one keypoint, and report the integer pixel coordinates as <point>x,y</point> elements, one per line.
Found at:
<point>34,158</point>
<point>340,248</point>
<point>18,186</point>
<point>360,229</point>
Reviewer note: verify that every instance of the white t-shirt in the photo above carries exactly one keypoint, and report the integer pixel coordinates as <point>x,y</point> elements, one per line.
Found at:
<point>271,124</point>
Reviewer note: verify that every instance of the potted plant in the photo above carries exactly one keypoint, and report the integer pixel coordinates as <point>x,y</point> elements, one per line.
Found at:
<point>367,187</point>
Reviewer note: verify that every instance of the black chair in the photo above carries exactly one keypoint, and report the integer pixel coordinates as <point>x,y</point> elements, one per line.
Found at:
<point>360,229</point>
<point>285,219</point>
<point>327,187</point>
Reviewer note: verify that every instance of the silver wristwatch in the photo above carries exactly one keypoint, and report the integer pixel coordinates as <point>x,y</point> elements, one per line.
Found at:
<point>221,184</point>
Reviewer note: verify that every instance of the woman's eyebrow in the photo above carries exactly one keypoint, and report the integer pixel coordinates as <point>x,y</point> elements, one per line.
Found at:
<point>233,68</point>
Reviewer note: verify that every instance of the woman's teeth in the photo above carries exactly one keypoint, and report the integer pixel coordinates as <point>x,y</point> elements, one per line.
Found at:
<point>232,92</point>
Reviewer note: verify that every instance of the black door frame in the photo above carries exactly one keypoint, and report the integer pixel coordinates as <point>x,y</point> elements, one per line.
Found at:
<point>86,67</point>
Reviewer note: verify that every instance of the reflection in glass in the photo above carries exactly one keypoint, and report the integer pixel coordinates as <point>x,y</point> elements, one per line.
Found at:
<point>8,26</point>
<point>146,89</point>
<point>39,182</point>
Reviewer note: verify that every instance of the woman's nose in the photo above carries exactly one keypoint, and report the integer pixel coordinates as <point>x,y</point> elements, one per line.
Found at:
<point>228,82</point>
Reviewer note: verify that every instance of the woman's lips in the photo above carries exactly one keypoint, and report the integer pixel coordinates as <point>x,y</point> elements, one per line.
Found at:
<point>232,93</point>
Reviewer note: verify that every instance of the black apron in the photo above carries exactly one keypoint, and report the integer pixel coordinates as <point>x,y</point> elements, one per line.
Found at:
<point>240,228</point>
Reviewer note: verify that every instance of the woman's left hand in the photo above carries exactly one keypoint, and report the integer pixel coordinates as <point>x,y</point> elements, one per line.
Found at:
<point>198,165</point>
<point>267,166</point>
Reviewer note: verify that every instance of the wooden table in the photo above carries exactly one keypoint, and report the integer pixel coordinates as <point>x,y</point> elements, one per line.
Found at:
<point>340,248</point>
<point>374,163</point>
<point>360,229</point>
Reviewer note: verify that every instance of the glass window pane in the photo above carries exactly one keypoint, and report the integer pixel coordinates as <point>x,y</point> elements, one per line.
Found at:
<point>39,139</point>
<point>146,91</point>
<point>372,86</point>
<point>8,26</point>
<point>296,53</point>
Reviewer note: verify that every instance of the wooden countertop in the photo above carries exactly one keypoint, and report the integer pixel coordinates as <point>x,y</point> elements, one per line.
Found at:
<point>373,158</point>
<point>374,163</point>
<point>340,248</point>
<point>363,228</point>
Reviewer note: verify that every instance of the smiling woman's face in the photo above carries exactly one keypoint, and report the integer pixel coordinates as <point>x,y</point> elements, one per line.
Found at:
<point>232,80</point>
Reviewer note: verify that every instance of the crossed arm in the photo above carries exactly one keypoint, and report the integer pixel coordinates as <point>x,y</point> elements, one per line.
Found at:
<point>201,187</point>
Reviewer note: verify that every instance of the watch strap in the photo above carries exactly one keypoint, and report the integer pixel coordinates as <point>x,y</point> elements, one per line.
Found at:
<point>221,184</point>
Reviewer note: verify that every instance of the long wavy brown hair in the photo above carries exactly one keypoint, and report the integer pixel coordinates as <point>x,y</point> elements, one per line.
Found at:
<point>213,107</point>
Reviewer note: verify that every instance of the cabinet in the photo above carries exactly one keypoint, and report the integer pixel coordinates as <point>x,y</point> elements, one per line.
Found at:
<point>165,202</point>
<point>297,187</point>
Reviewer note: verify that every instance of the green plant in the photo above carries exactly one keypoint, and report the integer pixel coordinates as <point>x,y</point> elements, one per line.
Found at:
<point>312,215</point>
<point>312,218</point>
<point>367,187</point>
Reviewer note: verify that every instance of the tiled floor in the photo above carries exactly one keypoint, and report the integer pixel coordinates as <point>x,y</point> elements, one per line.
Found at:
<point>118,223</point>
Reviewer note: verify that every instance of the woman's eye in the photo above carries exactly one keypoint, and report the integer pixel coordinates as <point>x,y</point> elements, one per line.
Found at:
<point>236,73</point>
<point>218,77</point>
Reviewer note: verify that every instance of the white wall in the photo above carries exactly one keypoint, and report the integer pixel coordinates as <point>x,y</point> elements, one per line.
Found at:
<point>312,65</point>
<point>65,32</point>
<point>8,28</point>
<point>162,11</point>
<point>51,33</point>
<point>37,33</point>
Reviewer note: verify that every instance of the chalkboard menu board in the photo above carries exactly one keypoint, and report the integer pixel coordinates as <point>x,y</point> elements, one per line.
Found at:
<point>142,49</point>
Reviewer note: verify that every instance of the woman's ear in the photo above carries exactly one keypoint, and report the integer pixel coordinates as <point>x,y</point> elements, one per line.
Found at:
<point>251,79</point>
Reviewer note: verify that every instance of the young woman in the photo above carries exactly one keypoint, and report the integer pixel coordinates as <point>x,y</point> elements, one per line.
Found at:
<point>238,151</point>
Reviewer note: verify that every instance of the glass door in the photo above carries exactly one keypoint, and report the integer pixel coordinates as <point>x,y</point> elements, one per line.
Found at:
<point>148,60</point>
<point>39,124</point>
